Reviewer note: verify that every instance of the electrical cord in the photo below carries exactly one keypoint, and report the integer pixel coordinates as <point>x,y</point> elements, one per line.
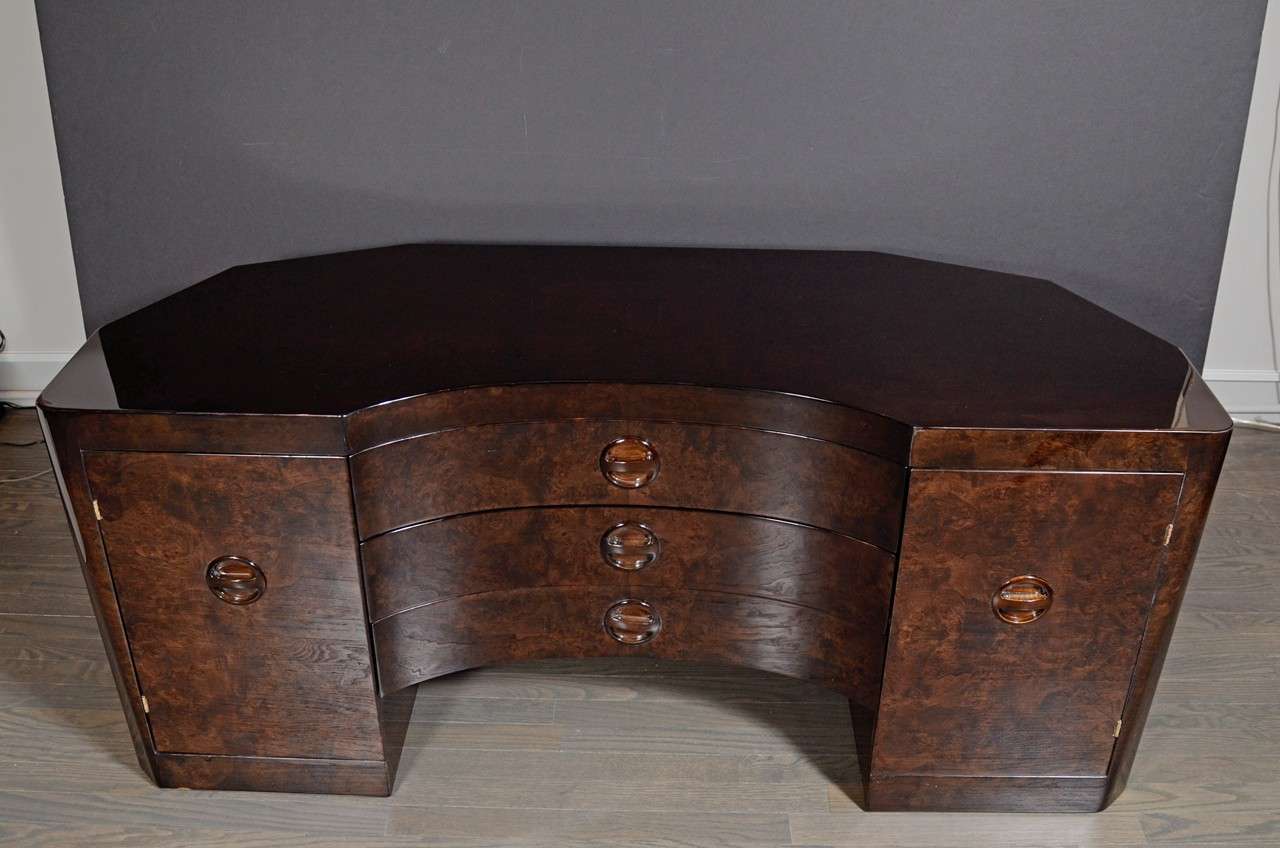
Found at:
<point>28,477</point>
<point>1256,425</point>
<point>5,406</point>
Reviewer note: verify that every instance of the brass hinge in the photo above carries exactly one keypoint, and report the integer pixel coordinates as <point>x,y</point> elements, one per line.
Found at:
<point>1168,533</point>
<point>146,708</point>
<point>97,510</point>
<point>1115,734</point>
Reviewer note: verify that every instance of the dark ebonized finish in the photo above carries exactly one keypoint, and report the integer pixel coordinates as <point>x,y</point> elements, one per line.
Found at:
<point>969,501</point>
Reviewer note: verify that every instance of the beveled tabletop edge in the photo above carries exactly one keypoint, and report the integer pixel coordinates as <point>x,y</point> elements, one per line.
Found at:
<point>83,385</point>
<point>904,374</point>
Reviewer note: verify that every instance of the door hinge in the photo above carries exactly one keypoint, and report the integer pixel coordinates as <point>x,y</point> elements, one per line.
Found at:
<point>1116,733</point>
<point>146,708</point>
<point>1168,533</point>
<point>97,510</point>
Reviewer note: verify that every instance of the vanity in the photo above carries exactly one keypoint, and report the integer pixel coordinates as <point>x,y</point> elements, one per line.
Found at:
<point>967,501</point>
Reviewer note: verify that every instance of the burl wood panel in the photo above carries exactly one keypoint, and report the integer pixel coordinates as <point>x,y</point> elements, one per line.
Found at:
<point>494,627</point>
<point>1206,453</point>
<point>1048,450</point>
<point>289,435</point>
<point>63,436</point>
<point>287,676</point>
<point>556,463</point>
<point>528,548</point>
<point>967,694</point>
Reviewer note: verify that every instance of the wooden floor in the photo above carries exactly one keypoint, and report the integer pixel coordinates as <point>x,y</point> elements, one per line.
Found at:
<point>609,753</point>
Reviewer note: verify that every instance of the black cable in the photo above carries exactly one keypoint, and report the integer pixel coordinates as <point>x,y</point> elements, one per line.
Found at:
<point>5,406</point>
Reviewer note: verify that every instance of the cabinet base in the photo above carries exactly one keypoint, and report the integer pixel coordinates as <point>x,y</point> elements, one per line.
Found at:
<point>924,793</point>
<point>270,774</point>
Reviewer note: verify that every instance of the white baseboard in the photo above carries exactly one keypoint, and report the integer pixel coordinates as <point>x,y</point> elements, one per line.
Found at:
<point>1246,393</point>
<point>1231,375</point>
<point>24,375</point>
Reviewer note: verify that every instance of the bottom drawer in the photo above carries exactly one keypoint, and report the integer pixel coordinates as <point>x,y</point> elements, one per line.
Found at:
<point>682,624</point>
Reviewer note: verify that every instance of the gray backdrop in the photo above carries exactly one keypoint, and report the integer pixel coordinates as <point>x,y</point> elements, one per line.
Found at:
<point>1093,143</point>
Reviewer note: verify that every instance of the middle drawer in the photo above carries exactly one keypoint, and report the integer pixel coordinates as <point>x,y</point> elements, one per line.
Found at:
<point>660,464</point>
<point>626,547</point>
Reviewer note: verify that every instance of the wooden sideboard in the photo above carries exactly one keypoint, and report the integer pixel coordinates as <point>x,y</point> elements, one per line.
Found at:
<point>968,501</point>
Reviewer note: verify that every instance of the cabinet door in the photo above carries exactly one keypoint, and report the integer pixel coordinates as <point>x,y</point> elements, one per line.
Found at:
<point>285,675</point>
<point>966,693</point>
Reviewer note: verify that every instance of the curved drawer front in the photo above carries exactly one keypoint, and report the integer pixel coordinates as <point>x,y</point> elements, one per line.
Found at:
<point>631,548</point>
<point>496,627</point>
<point>779,413</point>
<point>560,463</point>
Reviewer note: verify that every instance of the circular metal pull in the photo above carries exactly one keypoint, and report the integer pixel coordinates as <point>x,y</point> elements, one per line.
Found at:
<point>235,580</point>
<point>1022,600</point>
<point>632,622</point>
<point>629,546</point>
<point>629,462</point>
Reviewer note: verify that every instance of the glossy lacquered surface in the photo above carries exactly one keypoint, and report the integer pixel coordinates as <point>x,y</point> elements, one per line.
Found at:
<point>495,627</point>
<point>967,693</point>
<point>850,468</point>
<point>546,547</point>
<point>236,679</point>
<point>563,463</point>
<point>920,342</point>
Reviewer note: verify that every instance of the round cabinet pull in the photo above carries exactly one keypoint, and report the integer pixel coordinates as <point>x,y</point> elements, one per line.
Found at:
<point>629,546</point>
<point>632,622</point>
<point>235,580</point>
<point>1022,600</point>
<point>629,462</point>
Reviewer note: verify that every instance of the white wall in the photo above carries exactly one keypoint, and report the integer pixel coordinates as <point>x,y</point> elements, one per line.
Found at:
<point>39,303</point>
<point>40,306</point>
<point>1243,361</point>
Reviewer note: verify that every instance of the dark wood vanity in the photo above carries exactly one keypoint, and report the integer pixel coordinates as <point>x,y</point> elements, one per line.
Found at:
<point>968,501</point>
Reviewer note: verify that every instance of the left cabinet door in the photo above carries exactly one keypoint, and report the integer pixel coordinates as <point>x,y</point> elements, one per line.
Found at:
<point>287,674</point>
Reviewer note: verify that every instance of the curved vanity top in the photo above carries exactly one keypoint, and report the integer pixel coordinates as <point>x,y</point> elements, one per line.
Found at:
<point>922,343</point>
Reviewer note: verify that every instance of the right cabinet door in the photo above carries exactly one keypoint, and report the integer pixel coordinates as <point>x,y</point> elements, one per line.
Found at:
<point>1029,681</point>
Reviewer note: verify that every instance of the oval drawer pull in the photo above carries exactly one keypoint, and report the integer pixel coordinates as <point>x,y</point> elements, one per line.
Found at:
<point>629,462</point>
<point>632,622</point>
<point>630,546</point>
<point>235,580</point>
<point>1022,600</point>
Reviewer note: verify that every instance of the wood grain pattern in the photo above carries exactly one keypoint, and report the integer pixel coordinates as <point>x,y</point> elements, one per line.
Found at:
<point>494,627</point>
<point>784,428</point>
<point>966,694</point>
<point>1206,456</point>
<point>281,435</point>
<point>528,548</point>
<point>932,793</point>
<point>1206,774</point>
<point>555,463</point>
<point>1049,450</point>
<point>276,774</point>
<point>63,434</point>
<point>277,678</point>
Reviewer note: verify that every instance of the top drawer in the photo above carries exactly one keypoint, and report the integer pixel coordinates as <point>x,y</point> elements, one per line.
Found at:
<point>557,463</point>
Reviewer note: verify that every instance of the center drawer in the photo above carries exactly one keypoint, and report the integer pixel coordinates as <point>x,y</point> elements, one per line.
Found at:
<point>639,463</point>
<point>629,548</point>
